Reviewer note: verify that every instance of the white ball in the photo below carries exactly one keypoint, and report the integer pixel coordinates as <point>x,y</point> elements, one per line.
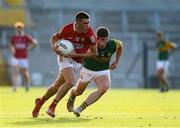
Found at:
<point>65,46</point>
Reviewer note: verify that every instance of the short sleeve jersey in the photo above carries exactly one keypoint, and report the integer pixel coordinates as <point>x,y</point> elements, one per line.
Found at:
<point>162,54</point>
<point>20,44</point>
<point>80,41</point>
<point>101,62</point>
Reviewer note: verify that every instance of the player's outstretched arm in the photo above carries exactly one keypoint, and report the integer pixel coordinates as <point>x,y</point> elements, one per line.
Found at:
<point>173,47</point>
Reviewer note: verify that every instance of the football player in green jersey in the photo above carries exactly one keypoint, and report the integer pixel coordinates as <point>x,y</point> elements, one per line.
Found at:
<point>96,69</point>
<point>165,49</point>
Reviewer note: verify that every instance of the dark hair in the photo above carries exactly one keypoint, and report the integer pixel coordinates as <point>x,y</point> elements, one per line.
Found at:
<point>159,33</point>
<point>102,32</point>
<point>82,15</point>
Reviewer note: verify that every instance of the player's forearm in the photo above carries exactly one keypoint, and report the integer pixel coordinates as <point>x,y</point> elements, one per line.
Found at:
<point>84,55</point>
<point>11,49</point>
<point>91,53</point>
<point>32,47</point>
<point>53,41</point>
<point>118,54</point>
<point>34,44</point>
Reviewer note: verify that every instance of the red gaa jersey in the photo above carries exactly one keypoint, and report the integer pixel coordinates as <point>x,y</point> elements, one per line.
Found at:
<point>80,41</point>
<point>20,44</point>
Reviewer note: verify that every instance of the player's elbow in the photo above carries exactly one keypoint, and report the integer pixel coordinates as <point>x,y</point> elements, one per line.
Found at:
<point>54,37</point>
<point>53,40</point>
<point>34,43</point>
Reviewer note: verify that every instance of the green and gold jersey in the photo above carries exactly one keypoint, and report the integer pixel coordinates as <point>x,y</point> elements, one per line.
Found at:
<point>163,52</point>
<point>101,61</point>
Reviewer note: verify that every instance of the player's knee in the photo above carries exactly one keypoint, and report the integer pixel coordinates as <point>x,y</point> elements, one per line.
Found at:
<point>103,89</point>
<point>70,82</point>
<point>15,72</point>
<point>161,76</point>
<point>25,75</point>
<point>77,93</point>
<point>69,85</point>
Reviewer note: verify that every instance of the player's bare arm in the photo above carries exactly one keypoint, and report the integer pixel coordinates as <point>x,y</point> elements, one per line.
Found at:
<point>173,47</point>
<point>54,46</point>
<point>118,54</point>
<point>11,49</point>
<point>33,45</point>
<point>91,53</point>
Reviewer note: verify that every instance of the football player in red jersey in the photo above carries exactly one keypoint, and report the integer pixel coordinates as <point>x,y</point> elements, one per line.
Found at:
<point>84,41</point>
<point>20,44</point>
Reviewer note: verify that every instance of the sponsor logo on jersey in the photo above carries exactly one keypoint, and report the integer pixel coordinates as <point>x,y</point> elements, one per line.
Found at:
<point>78,46</point>
<point>20,45</point>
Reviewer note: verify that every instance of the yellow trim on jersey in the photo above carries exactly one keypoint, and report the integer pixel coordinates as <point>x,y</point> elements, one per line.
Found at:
<point>168,45</point>
<point>118,43</point>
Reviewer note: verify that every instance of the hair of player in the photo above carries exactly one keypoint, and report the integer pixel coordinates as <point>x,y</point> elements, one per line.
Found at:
<point>159,33</point>
<point>82,15</point>
<point>102,32</point>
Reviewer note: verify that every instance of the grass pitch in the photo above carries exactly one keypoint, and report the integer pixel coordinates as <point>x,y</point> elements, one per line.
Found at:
<point>117,108</point>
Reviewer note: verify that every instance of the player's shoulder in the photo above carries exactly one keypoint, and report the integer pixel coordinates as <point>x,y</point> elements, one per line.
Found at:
<point>68,27</point>
<point>90,29</point>
<point>91,35</point>
<point>27,36</point>
<point>118,42</point>
<point>90,32</point>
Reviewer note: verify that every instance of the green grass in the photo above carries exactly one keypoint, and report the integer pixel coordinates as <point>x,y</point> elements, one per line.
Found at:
<point>117,108</point>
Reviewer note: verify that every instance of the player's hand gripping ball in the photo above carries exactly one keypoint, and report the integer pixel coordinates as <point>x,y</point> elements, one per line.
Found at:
<point>65,46</point>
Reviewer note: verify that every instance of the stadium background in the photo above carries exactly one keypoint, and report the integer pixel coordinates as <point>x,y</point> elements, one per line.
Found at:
<point>135,22</point>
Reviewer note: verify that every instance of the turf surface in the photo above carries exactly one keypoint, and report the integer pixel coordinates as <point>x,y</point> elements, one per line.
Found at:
<point>117,108</point>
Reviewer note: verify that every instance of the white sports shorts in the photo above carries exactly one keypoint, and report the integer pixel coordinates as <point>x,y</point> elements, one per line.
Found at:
<point>23,63</point>
<point>68,62</point>
<point>162,65</point>
<point>87,75</point>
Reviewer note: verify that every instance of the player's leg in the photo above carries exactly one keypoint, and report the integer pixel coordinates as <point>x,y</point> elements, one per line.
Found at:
<point>76,91</point>
<point>160,73</point>
<point>49,93</point>
<point>85,77</point>
<point>54,87</point>
<point>102,82</point>
<point>162,67</point>
<point>165,76</point>
<point>166,82</point>
<point>24,65</point>
<point>25,74</point>
<point>69,76</point>
<point>15,72</point>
